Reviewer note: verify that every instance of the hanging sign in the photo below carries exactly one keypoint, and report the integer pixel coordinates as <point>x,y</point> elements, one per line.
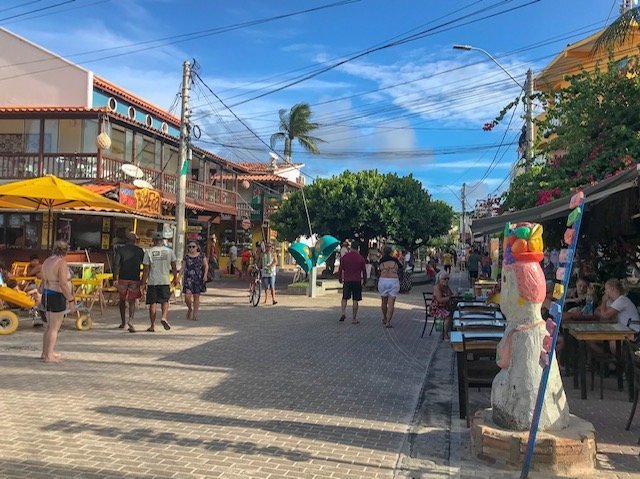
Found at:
<point>143,200</point>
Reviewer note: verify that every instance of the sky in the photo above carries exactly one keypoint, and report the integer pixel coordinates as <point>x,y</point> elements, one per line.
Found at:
<point>381,76</point>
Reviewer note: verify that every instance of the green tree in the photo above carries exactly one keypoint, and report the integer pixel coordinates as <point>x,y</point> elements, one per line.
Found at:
<point>296,124</point>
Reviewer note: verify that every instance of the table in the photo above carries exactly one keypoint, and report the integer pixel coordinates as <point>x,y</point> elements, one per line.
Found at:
<point>457,314</point>
<point>598,332</point>
<point>458,346</point>
<point>483,285</point>
<point>488,322</point>
<point>477,304</point>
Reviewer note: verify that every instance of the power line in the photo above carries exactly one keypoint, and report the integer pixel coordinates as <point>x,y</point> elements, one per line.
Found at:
<point>21,5</point>
<point>37,10</point>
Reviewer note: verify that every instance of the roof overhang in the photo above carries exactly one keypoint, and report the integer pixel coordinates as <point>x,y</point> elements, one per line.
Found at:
<point>560,207</point>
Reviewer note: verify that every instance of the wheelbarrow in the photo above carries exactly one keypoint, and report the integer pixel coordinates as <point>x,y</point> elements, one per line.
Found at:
<point>9,320</point>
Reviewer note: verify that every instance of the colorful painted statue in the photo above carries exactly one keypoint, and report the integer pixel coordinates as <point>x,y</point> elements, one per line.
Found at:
<point>515,388</point>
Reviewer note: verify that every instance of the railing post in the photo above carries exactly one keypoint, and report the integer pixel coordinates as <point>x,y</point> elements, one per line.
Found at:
<point>41,149</point>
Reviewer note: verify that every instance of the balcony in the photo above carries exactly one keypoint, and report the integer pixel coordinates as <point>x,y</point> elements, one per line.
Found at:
<point>88,167</point>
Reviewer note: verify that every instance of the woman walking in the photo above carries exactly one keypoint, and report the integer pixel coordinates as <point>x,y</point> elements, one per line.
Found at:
<point>57,298</point>
<point>195,269</point>
<point>389,284</point>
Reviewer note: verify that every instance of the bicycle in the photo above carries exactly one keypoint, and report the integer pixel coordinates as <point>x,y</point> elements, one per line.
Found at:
<point>255,287</point>
<point>298,276</point>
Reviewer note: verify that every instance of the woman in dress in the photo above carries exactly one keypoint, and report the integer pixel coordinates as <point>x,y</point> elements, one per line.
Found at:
<point>440,307</point>
<point>195,268</point>
<point>389,284</point>
<point>57,298</point>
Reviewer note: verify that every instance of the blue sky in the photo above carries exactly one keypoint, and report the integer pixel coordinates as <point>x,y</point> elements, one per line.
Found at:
<point>414,108</point>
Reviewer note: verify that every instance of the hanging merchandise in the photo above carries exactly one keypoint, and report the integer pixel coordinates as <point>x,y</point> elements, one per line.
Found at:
<point>103,141</point>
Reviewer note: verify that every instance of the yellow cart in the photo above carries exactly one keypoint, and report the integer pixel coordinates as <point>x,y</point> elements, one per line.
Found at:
<point>9,320</point>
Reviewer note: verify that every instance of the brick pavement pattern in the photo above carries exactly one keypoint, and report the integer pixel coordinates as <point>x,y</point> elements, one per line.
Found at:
<point>269,392</point>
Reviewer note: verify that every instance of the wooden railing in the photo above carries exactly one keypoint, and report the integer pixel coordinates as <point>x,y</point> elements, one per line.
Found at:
<point>78,166</point>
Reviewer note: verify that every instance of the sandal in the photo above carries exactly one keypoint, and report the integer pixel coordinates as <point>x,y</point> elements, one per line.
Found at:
<point>355,322</point>
<point>165,324</point>
<point>151,330</point>
<point>342,318</point>
<point>132,329</point>
<point>388,325</point>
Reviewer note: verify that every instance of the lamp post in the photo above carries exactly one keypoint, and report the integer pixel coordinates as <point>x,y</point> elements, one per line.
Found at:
<point>528,89</point>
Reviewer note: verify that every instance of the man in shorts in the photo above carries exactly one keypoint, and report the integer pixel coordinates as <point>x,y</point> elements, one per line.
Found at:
<point>126,276</point>
<point>159,261</point>
<point>352,273</point>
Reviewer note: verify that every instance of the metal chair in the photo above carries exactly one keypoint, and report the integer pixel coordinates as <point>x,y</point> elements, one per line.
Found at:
<point>634,362</point>
<point>428,297</point>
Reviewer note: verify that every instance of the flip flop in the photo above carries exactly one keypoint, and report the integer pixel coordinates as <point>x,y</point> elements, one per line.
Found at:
<point>355,322</point>
<point>132,329</point>
<point>388,325</point>
<point>121,326</point>
<point>165,324</point>
<point>342,318</point>
<point>151,330</point>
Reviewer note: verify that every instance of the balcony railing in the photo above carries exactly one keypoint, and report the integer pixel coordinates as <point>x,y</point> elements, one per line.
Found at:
<point>78,166</point>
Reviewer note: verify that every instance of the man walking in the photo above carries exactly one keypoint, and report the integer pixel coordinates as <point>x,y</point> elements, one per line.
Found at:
<point>473,266</point>
<point>352,273</point>
<point>126,276</point>
<point>233,258</point>
<point>158,262</point>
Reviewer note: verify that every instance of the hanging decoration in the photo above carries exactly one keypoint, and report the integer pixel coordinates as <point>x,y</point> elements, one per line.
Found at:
<point>103,140</point>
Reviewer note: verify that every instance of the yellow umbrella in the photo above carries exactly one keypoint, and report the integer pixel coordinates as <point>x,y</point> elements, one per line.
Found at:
<point>50,192</point>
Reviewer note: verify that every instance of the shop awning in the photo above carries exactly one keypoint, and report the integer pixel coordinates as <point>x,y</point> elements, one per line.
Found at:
<point>559,207</point>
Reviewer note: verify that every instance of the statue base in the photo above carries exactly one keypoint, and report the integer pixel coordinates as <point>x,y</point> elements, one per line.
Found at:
<point>569,452</point>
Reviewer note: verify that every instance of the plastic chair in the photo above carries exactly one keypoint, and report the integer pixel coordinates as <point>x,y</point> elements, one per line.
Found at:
<point>88,291</point>
<point>107,288</point>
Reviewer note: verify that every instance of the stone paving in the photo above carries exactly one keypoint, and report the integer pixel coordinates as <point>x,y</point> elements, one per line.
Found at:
<point>272,391</point>
<point>279,391</point>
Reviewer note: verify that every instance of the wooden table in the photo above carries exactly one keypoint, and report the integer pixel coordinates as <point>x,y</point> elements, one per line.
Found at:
<point>583,332</point>
<point>458,346</point>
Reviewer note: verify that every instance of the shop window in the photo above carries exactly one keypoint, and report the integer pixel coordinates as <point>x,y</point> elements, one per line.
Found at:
<point>89,135</point>
<point>145,152</point>
<point>20,231</point>
<point>170,158</point>
<point>69,136</point>
<point>19,136</point>
<point>85,231</point>
<point>117,143</point>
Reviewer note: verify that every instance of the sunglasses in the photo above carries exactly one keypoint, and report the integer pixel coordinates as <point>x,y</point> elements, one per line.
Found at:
<point>192,246</point>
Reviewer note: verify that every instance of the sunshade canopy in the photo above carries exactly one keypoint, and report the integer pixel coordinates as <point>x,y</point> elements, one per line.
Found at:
<point>50,192</point>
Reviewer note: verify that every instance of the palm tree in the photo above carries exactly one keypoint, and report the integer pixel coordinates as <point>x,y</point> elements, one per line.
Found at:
<point>295,124</point>
<point>624,27</point>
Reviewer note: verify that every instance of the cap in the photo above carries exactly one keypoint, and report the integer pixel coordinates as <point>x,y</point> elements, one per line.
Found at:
<point>158,235</point>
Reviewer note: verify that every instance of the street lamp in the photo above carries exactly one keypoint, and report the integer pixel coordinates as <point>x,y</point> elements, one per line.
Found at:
<point>528,89</point>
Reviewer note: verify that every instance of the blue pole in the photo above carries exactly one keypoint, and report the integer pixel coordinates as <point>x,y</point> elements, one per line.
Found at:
<point>557,316</point>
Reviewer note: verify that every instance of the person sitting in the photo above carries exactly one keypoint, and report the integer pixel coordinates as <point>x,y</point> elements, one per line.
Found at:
<point>577,297</point>
<point>616,305</point>
<point>440,307</point>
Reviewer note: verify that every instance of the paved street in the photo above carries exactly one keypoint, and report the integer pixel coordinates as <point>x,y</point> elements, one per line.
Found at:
<point>273,391</point>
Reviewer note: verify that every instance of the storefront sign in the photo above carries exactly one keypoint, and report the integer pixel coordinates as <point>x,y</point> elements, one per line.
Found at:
<point>246,224</point>
<point>104,244</point>
<point>194,229</point>
<point>143,200</point>
<point>225,217</point>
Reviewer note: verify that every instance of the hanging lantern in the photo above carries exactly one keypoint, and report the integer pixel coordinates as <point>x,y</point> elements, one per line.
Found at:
<point>103,141</point>
<point>245,184</point>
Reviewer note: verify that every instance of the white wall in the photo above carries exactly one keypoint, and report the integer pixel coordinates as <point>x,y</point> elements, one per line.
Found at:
<point>24,81</point>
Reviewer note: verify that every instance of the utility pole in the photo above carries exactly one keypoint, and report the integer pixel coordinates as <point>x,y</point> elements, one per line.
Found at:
<point>464,220</point>
<point>183,164</point>
<point>529,119</point>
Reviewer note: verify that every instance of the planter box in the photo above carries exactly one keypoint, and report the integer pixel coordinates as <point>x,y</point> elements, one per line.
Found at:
<point>297,290</point>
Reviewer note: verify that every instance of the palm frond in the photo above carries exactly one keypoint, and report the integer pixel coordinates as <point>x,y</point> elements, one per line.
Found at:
<point>310,144</point>
<point>618,32</point>
<point>276,138</point>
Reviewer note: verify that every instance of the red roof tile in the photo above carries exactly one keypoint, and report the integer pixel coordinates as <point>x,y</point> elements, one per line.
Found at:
<point>265,167</point>
<point>136,100</point>
<point>100,189</point>
<point>49,109</point>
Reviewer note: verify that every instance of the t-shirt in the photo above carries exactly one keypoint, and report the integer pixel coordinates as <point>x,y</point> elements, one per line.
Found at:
<point>626,311</point>
<point>246,256</point>
<point>127,262</point>
<point>233,253</point>
<point>352,267</point>
<point>159,259</point>
<point>446,259</point>
<point>474,261</point>
<point>268,268</point>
